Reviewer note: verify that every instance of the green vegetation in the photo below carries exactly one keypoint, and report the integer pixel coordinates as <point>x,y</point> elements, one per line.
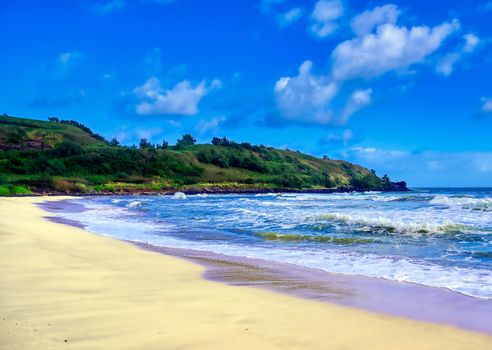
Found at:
<point>66,156</point>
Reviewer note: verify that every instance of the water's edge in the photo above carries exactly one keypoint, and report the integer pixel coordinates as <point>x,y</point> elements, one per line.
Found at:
<point>402,299</point>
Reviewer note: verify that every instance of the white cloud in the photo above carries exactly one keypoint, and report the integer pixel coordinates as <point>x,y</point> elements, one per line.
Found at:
<point>486,104</point>
<point>446,64</point>
<point>70,58</point>
<point>216,84</point>
<point>289,17</point>
<point>182,99</point>
<point>391,47</point>
<point>358,100</point>
<point>67,65</point>
<point>379,155</point>
<point>367,21</point>
<point>324,17</point>
<point>471,42</point>
<point>306,97</point>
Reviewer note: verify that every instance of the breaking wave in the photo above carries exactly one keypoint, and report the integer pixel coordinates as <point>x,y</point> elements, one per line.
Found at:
<point>134,204</point>
<point>465,202</point>
<point>386,225</point>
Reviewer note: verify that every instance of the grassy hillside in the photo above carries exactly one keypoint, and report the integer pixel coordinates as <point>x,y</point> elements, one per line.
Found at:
<point>65,156</point>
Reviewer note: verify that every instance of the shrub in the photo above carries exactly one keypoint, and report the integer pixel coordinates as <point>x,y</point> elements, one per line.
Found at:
<point>219,159</point>
<point>144,143</point>
<point>4,190</point>
<point>62,185</point>
<point>186,140</point>
<point>20,190</point>
<point>67,149</point>
<point>365,182</point>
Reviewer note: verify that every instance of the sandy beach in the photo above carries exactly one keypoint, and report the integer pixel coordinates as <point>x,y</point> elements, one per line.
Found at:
<point>62,287</point>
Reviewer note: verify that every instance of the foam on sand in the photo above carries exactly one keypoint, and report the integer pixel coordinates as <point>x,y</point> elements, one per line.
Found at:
<point>64,287</point>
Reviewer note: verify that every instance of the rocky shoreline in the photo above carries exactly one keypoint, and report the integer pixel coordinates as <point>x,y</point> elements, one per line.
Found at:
<point>396,187</point>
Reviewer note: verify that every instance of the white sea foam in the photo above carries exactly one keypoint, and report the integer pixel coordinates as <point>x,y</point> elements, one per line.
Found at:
<point>417,218</point>
<point>472,282</point>
<point>480,204</point>
<point>134,204</point>
<point>392,225</point>
<point>365,196</point>
<point>179,195</point>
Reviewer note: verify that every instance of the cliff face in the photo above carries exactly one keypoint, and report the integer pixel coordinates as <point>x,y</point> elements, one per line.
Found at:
<point>67,157</point>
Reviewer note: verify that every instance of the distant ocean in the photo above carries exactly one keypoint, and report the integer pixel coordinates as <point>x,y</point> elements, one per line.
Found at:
<point>433,237</point>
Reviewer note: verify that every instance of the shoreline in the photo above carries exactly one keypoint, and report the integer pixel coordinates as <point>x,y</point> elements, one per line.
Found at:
<point>63,286</point>
<point>208,190</point>
<point>401,299</point>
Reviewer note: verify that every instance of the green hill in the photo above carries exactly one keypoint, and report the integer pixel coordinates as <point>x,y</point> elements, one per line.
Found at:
<point>67,157</point>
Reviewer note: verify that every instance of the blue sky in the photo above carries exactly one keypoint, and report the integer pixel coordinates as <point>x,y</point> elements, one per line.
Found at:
<point>403,87</point>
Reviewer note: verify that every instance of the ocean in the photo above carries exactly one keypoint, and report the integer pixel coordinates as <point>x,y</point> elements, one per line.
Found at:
<point>433,237</point>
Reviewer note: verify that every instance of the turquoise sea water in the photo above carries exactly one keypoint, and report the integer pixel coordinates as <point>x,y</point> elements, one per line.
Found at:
<point>433,237</point>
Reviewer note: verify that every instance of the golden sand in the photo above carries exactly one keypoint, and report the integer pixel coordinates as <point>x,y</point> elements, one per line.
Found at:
<point>61,287</point>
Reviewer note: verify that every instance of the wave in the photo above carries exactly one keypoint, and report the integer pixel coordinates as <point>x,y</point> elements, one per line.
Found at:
<point>179,195</point>
<point>274,236</point>
<point>412,198</point>
<point>350,256</point>
<point>385,225</point>
<point>134,204</point>
<point>465,202</point>
<point>364,196</point>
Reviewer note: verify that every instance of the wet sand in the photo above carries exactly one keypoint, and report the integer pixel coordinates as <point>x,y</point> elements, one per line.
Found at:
<point>65,287</point>
<point>400,299</point>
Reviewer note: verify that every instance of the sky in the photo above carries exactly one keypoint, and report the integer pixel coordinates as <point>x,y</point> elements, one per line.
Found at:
<point>401,87</point>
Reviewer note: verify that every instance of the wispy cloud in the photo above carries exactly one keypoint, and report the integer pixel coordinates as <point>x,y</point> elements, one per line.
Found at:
<point>365,22</point>
<point>342,138</point>
<point>114,6</point>
<point>267,5</point>
<point>104,8</point>
<point>358,100</point>
<point>324,17</point>
<point>446,65</point>
<point>486,105</point>
<point>289,17</point>
<point>209,126</point>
